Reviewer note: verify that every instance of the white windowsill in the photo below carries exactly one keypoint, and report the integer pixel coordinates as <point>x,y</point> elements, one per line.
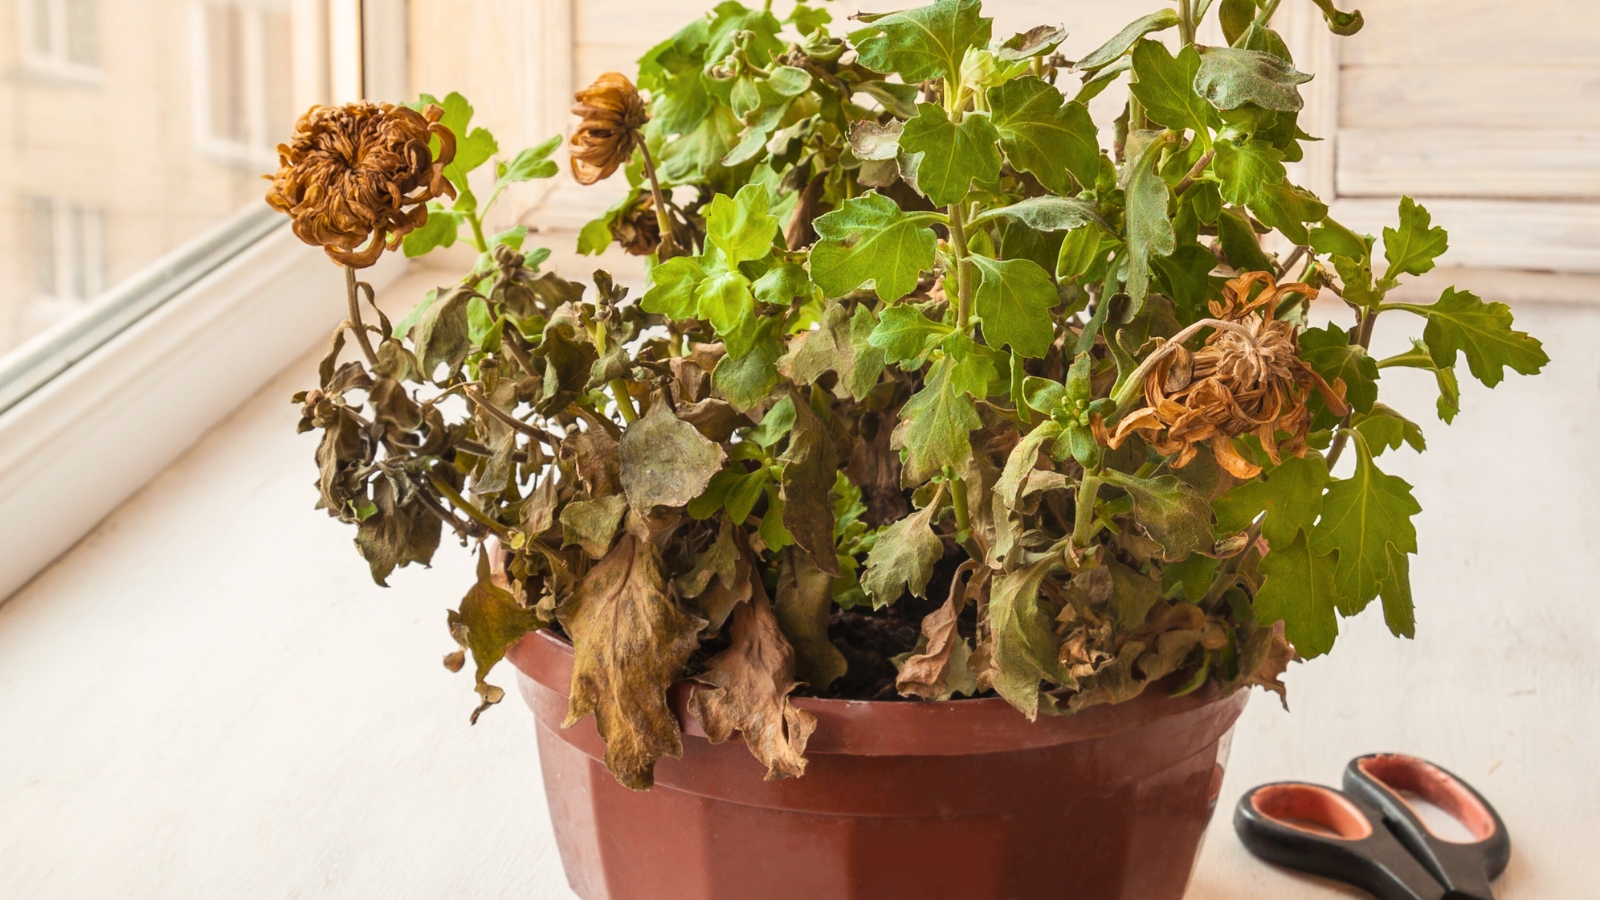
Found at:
<point>208,697</point>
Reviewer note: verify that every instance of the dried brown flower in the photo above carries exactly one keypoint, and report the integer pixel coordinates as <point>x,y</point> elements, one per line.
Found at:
<point>636,229</point>
<point>360,171</point>
<point>1247,379</point>
<point>612,113</point>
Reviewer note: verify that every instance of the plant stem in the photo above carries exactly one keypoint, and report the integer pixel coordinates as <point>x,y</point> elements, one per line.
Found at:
<point>1227,573</point>
<point>1265,15</point>
<point>1363,337</point>
<point>630,414</point>
<point>505,417</point>
<point>958,499</point>
<point>958,243</point>
<point>466,506</point>
<point>1185,22</point>
<point>478,239</point>
<point>352,293</point>
<point>1195,172</point>
<point>1083,521</point>
<point>1024,413</point>
<point>668,247</point>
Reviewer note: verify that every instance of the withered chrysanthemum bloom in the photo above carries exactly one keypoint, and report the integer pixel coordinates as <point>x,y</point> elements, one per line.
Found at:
<point>361,171</point>
<point>1247,379</point>
<point>612,113</point>
<point>637,229</point>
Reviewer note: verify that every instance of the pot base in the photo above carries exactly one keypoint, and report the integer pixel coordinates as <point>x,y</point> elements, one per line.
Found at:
<point>1110,804</point>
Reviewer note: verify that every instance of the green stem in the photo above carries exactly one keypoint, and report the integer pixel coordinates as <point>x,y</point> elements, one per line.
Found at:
<point>1363,338</point>
<point>478,239</point>
<point>624,401</point>
<point>669,247</point>
<point>1024,412</point>
<point>1265,15</point>
<point>352,295</point>
<point>958,243</point>
<point>1228,572</point>
<point>1185,22</point>
<point>1083,522</point>
<point>466,506</point>
<point>958,499</point>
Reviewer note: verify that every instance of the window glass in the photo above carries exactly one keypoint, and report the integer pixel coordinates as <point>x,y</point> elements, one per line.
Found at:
<point>133,129</point>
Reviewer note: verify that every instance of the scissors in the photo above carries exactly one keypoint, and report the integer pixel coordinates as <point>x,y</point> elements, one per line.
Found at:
<point>1369,836</point>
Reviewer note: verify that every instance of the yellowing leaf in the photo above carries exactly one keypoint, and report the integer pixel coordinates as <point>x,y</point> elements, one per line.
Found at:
<point>903,559</point>
<point>1023,649</point>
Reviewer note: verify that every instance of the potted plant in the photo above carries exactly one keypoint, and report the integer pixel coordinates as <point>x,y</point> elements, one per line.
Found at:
<point>946,407</point>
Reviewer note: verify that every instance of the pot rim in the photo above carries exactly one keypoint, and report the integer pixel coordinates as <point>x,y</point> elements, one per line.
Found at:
<point>912,727</point>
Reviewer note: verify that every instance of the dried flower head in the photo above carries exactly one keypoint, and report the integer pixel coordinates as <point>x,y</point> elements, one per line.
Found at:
<point>612,113</point>
<point>1247,379</point>
<point>636,229</point>
<point>361,171</point>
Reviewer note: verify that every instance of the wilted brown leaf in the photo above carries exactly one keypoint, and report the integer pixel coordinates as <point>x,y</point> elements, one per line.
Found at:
<point>631,642</point>
<point>489,622</point>
<point>940,668</point>
<point>750,683</point>
<point>809,469</point>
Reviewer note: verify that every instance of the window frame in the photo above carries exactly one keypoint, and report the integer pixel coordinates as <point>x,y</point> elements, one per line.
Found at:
<point>92,409</point>
<point>56,63</point>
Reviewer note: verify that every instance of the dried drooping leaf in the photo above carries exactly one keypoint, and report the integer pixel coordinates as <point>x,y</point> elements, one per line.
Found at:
<point>665,460</point>
<point>939,669</point>
<point>569,357</point>
<point>716,419</point>
<point>539,511</point>
<point>489,621</point>
<point>361,171</point>
<point>595,458</point>
<point>1174,514</point>
<point>874,467</point>
<point>1114,682</point>
<point>750,683</point>
<point>631,642</point>
<point>810,465</point>
<point>592,524</point>
<point>400,530</point>
<point>805,600</point>
<point>1263,659</point>
<point>719,580</point>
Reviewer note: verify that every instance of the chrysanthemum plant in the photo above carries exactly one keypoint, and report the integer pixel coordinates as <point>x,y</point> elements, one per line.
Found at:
<point>939,389</point>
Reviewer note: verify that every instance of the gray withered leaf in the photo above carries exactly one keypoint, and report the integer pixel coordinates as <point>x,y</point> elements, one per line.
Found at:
<point>903,558</point>
<point>1023,650</point>
<point>630,643</point>
<point>1132,595</point>
<point>826,348</point>
<point>665,460</point>
<point>592,524</point>
<point>805,600</point>
<point>810,465</point>
<point>399,532</point>
<point>489,621</point>
<point>539,510</point>
<point>501,465</point>
<point>747,690</point>
<point>442,335</point>
<point>569,357</point>
<point>1174,514</point>
<point>1230,77</point>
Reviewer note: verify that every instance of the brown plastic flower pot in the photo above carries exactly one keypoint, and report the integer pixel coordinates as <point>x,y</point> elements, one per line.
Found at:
<point>900,801</point>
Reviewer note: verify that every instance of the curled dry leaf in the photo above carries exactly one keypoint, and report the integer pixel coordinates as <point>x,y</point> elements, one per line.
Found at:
<point>489,621</point>
<point>665,460</point>
<point>749,687</point>
<point>1246,380</point>
<point>631,642</point>
<point>361,172</point>
<point>940,669</point>
<point>810,465</point>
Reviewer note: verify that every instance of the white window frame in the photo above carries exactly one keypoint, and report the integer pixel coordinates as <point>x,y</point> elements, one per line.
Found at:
<point>56,62</point>
<point>257,149</point>
<point>94,408</point>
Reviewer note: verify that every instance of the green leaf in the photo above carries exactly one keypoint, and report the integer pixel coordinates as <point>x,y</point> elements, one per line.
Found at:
<point>902,559</point>
<point>474,146</point>
<point>869,241</point>
<point>1239,243</point>
<point>439,231</point>
<point>1412,249</point>
<point>942,158</point>
<point>1149,228</point>
<point>789,81</point>
<point>740,226</point>
<point>695,156</point>
<point>1290,494</point>
<point>1176,516</point>
<point>1044,133</point>
<point>1045,213</point>
<point>1332,239</point>
<point>1299,591</point>
<point>726,302</point>
<point>904,334</point>
<point>1398,611</point>
<point>1331,354</point>
<point>1229,78</point>
<point>1113,49</point>
<point>1459,321</point>
<point>746,381</point>
<point>1014,300</point>
<point>922,43</point>
<point>672,288</point>
<point>534,162</point>
<point>1034,42</point>
<point>936,422</point>
<point>1420,357</point>
<point>1165,85</point>
<point>1285,207</point>
<point>1361,516</point>
<point>1024,650</point>
<point>1245,168</point>
<point>1386,429</point>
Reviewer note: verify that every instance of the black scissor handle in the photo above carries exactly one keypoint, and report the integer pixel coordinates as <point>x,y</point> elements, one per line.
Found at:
<point>1321,831</point>
<point>1381,780</point>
